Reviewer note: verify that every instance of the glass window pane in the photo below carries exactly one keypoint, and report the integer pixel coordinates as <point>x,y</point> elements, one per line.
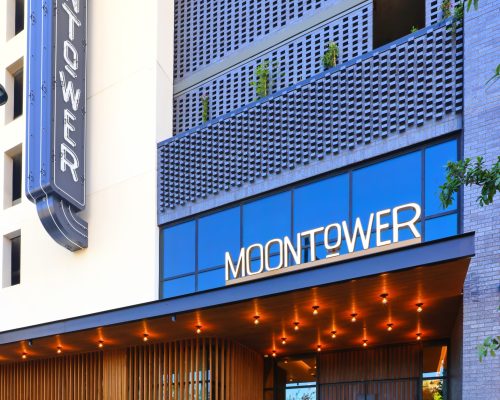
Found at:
<point>321,203</point>
<point>218,233</point>
<point>435,361</point>
<point>267,219</point>
<point>386,184</point>
<point>178,287</point>
<point>441,227</point>
<point>211,279</point>
<point>436,158</point>
<point>179,249</point>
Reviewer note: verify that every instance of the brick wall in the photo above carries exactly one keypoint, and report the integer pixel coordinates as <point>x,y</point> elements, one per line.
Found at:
<point>481,137</point>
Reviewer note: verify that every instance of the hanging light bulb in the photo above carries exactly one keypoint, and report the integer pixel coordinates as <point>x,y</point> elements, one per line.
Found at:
<point>419,307</point>
<point>274,353</point>
<point>315,310</point>
<point>318,349</point>
<point>101,344</point>
<point>365,343</point>
<point>59,349</point>
<point>419,336</point>
<point>283,340</point>
<point>389,327</point>
<point>198,329</point>
<point>384,298</point>
<point>256,319</point>
<point>145,337</point>
<point>296,326</point>
<point>24,356</point>
<point>353,317</point>
<point>334,334</point>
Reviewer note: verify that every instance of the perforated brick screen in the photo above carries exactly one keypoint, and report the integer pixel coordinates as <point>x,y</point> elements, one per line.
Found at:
<point>404,84</point>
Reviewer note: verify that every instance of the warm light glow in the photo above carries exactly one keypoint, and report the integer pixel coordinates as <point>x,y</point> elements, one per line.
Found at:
<point>318,348</point>
<point>59,349</point>
<point>365,343</point>
<point>315,310</point>
<point>384,298</point>
<point>389,327</point>
<point>419,336</point>
<point>274,353</point>
<point>24,356</point>
<point>256,319</point>
<point>101,344</point>
<point>419,307</point>
<point>334,334</point>
<point>296,327</point>
<point>353,317</point>
<point>283,340</point>
<point>145,338</point>
<point>198,329</point>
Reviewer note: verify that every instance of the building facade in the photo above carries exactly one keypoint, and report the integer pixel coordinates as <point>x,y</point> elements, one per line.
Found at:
<point>262,199</point>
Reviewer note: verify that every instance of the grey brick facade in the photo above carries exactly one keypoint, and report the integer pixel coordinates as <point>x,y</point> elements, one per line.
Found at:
<point>481,138</point>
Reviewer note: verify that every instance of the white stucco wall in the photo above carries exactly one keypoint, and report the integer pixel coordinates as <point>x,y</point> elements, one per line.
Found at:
<point>129,91</point>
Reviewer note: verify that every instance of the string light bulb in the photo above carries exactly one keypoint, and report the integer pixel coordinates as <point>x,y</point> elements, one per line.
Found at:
<point>365,343</point>
<point>198,329</point>
<point>256,319</point>
<point>101,344</point>
<point>274,353</point>
<point>315,310</point>
<point>419,336</point>
<point>24,356</point>
<point>419,307</point>
<point>145,337</point>
<point>318,349</point>
<point>389,327</point>
<point>283,340</point>
<point>334,334</point>
<point>353,317</point>
<point>296,326</point>
<point>384,298</point>
<point>59,349</point>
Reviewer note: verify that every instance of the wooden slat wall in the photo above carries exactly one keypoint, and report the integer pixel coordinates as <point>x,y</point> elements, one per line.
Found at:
<point>197,369</point>
<point>76,377</point>
<point>388,372</point>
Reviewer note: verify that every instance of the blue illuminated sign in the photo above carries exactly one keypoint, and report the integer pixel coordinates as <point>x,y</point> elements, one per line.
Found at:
<point>56,108</point>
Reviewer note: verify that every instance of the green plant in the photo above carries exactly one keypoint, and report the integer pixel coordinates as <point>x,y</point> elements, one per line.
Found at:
<point>329,59</point>
<point>413,29</point>
<point>205,108</point>
<point>446,9</point>
<point>489,347</point>
<point>464,172</point>
<point>262,80</point>
<point>458,16</point>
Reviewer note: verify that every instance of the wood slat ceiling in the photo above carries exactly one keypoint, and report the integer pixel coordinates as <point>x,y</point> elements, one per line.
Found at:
<point>438,287</point>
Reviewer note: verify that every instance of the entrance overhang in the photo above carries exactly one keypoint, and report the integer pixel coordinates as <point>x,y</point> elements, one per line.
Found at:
<point>431,273</point>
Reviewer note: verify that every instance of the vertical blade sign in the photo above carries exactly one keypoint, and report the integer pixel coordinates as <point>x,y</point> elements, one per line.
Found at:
<point>55,118</point>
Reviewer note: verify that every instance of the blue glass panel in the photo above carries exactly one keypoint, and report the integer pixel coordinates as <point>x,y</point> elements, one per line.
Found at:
<point>211,279</point>
<point>218,233</point>
<point>436,158</point>
<point>179,286</point>
<point>441,227</point>
<point>267,219</point>
<point>321,203</point>
<point>179,249</point>
<point>387,184</point>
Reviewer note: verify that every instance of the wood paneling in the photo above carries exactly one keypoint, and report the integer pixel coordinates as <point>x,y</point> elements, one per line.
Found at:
<point>196,369</point>
<point>387,372</point>
<point>76,377</point>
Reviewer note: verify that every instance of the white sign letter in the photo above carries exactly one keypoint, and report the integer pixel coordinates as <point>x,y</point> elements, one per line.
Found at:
<point>239,267</point>
<point>69,91</point>
<point>71,60</point>
<point>73,164</point>
<point>410,224</point>
<point>267,255</point>
<point>73,20</point>
<point>294,253</point>
<point>381,227</point>
<point>333,249</point>
<point>249,258</point>
<point>358,230</point>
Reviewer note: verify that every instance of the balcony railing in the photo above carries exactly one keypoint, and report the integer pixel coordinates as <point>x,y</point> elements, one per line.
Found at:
<point>405,84</point>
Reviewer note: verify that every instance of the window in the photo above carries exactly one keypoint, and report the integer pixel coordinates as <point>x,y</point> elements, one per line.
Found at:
<point>11,259</point>
<point>434,378</point>
<point>19,16</point>
<point>13,171</point>
<point>14,84</point>
<point>194,251</point>
<point>18,93</point>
